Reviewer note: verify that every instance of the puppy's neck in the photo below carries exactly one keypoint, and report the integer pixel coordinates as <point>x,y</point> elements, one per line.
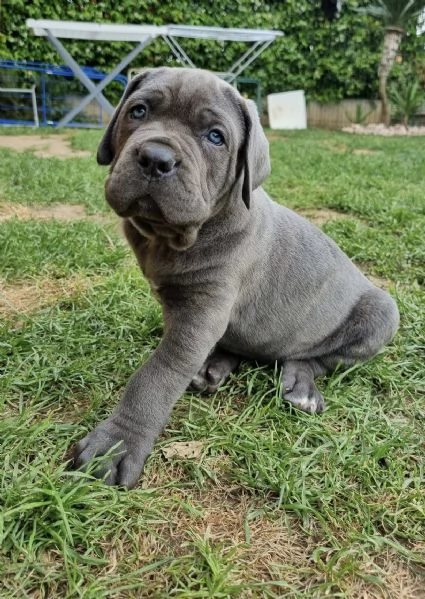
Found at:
<point>232,215</point>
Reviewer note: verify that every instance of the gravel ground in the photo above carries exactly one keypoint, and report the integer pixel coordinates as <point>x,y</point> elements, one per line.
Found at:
<point>380,129</point>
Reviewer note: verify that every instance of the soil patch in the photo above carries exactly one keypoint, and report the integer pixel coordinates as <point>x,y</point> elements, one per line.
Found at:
<point>319,216</point>
<point>63,212</point>
<point>52,146</point>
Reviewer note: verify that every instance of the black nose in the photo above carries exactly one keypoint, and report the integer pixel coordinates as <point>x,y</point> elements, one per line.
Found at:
<point>156,159</point>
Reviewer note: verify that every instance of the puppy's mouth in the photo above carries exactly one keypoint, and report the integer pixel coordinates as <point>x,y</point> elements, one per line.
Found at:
<point>148,219</point>
<point>144,207</point>
<point>176,237</point>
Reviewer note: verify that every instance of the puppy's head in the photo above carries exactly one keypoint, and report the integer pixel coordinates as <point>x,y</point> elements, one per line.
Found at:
<point>181,143</point>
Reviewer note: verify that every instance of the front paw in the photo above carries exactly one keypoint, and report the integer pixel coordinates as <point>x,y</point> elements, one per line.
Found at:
<point>214,372</point>
<point>208,379</point>
<point>127,453</point>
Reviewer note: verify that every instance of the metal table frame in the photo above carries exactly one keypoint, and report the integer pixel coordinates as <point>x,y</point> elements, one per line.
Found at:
<point>31,91</point>
<point>143,35</point>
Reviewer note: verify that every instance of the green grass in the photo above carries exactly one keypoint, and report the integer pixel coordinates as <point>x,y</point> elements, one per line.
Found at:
<point>37,248</point>
<point>25,179</point>
<point>280,503</point>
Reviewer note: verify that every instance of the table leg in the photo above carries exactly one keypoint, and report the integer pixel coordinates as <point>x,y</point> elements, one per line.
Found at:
<point>246,59</point>
<point>93,95</point>
<point>178,51</point>
<point>78,72</point>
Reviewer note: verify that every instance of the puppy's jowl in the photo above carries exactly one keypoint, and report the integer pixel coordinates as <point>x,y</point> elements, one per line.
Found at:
<point>237,274</point>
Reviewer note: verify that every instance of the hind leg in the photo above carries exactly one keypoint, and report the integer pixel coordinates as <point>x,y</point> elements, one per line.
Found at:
<point>299,387</point>
<point>371,324</point>
<point>215,370</point>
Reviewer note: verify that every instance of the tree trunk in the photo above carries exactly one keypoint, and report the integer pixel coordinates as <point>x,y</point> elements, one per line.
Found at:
<point>392,41</point>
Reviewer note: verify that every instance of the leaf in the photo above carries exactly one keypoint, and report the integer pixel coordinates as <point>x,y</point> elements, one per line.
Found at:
<point>182,449</point>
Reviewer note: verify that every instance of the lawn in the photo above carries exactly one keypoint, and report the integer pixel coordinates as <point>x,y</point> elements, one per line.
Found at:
<point>263,500</point>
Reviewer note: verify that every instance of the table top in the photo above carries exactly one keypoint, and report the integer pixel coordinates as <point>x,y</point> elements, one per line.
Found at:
<point>136,33</point>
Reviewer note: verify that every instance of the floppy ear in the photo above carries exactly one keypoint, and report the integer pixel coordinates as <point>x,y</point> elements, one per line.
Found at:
<point>106,150</point>
<point>255,152</point>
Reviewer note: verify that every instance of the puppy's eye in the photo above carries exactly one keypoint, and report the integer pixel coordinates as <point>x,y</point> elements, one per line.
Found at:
<point>138,112</point>
<point>215,137</point>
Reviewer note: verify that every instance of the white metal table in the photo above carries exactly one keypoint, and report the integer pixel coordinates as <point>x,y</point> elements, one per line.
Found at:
<point>259,40</point>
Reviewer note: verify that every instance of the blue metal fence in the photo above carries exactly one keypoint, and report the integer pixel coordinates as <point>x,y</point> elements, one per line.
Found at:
<point>57,90</point>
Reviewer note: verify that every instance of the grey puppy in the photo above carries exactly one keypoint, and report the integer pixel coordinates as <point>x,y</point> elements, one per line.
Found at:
<point>237,275</point>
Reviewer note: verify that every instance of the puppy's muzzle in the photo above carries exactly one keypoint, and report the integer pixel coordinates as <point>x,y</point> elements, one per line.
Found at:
<point>157,160</point>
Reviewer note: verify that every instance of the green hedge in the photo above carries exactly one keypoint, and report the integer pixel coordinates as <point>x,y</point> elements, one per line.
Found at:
<point>329,60</point>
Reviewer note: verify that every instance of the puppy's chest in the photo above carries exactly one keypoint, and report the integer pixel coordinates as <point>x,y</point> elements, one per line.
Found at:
<point>154,266</point>
<point>161,266</point>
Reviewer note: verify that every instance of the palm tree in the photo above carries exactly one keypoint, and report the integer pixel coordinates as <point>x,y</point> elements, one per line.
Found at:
<point>396,15</point>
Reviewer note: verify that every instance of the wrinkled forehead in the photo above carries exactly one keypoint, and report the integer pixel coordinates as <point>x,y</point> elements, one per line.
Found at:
<point>190,94</point>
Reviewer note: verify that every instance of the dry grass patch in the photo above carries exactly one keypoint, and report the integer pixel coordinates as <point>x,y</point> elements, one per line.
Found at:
<point>264,545</point>
<point>214,532</point>
<point>51,146</point>
<point>61,212</point>
<point>319,216</point>
<point>381,282</point>
<point>25,297</point>
<point>399,581</point>
<point>261,548</point>
<point>65,212</point>
<point>276,137</point>
<point>364,151</point>
<point>335,146</point>
<point>340,148</point>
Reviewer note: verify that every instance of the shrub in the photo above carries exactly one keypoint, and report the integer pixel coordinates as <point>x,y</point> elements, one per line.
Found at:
<point>329,60</point>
